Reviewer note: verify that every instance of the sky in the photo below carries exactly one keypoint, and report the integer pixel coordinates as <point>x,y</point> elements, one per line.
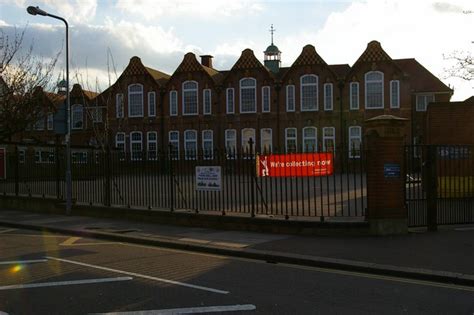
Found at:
<point>105,34</point>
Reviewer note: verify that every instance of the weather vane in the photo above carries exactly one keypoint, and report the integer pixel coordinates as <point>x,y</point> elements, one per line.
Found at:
<point>272,30</point>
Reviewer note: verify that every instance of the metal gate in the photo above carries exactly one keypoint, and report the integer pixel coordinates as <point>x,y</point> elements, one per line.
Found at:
<point>439,184</point>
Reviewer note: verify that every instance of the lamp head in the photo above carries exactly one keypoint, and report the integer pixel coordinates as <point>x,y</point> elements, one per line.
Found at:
<point>35,11</point>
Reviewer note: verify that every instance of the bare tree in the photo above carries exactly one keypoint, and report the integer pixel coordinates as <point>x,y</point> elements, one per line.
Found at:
<point>462,67</point>
<point>21,72</point>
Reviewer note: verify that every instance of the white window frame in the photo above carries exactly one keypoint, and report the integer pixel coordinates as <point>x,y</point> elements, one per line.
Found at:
<point>44,155</point>
<point>315,139</point>
<point>139,106</point>
<point>367,82</point>
<point>231,151</point>
<point>79,157</point>
<point>290,98</point>
<point>206,153</point>
<point>328,96</point>
<point>121,142</point>
<point>21,155</point>
<point>50,121</point>
<point>241,88</point>
<point>119,105</point>
<point>39,124</point>
<point>136,155</point>
<point>266,100</point>
<point>151,105</point>
<point>330,137</point>
<point>263,139</point>
<point>359,137</point>
<point>149,142</point>
<point>96,113</point>
<point>395,95</point>
<point>245,145</point>
<point>190,155</point>
<point>174,144</point>
<point>304,85</point>
<point>295,138</point>
<point>206,104</point>
<point>354,94</point>
<point>196,98</point>
<point>173,103</point>
<point>230,100</point>
<point>419,107</point>
<point>74,119</point>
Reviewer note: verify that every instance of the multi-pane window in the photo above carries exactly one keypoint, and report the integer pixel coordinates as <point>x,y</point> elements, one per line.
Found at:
<point>21,155</point>
<point>119,105</point>
<point>328,96</point>
<point>136,145</point>
<point>310,141</point>
<point>422,102</point>
<point>230,101</point>
<point>120,141</point>
<point>266,140</point>
<point>190,98</point>
<point>207,144</point>
<point>248,95</point>
<point>290,140</point>
<point>39,124</point>
<point>152,145</point>
<point>354,95</point>
<point>151,104</point>
<point>231,142</point>
<point>173,140</point>
<point>173,103</point>
<point>355,140</point>
<point>96,113</point>
<point>77,117</point>
<point>265,99</point>
<point>50,121</point>
<point>190,144</point>
<point>395,94</point>
<point>329,139</point>
<point>79,157</point>
<point>309,92</point>
<point>135,100</point>
<point>247,135</point>
<point>374,89</point>
<point>290,98</point>
<point>207,105</point>
<point>44,155</point>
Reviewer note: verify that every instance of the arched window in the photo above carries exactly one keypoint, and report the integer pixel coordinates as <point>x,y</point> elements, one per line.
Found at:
<point>207,144</point>
<point>190,98</point>
<point>310,141</point>
<point>291,140</point>
<point>135,100</point>
<point>355,140</point>
<point>77,117</point>
<point>373,90</point>
<point>309,92</point>
<point>136,145</point>
<point>247,134</point>
<point>248,95</point>
<point>231,143</point>
<point>190,144</point>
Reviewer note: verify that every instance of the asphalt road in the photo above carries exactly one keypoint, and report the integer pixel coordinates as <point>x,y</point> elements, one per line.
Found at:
<point>60,274</point>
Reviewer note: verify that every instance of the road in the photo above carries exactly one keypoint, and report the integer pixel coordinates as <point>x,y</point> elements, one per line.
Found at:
<point>44,273</point>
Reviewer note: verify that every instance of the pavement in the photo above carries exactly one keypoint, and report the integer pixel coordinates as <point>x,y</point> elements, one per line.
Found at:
<point>445,256</point>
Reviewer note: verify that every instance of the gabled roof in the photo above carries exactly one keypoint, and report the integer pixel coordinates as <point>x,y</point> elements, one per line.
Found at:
<point>309,56</point>
<point>159,76</point>
<point>136,67</point>
<point>247,60</point>
<point>469,100</point>
<point>341,71</point>
<point>190,64</point>
<point>373,52</point>
<point>421,79</point>
<point>78,91</point>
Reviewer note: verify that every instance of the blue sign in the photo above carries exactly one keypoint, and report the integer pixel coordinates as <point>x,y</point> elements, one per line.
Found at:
<point>391,170</point>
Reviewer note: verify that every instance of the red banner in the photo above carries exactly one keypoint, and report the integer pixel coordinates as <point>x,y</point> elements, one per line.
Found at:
<point>295,165</point>
<point>3,164</point>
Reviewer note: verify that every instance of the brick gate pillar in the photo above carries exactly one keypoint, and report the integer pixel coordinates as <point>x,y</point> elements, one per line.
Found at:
<point>386,210</point>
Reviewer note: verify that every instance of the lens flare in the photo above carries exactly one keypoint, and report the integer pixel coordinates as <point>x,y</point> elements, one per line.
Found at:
<point>16,268</point>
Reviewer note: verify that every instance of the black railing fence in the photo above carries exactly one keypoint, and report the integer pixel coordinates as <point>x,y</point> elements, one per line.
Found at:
<point>167,181</point>
<point>439,184</point>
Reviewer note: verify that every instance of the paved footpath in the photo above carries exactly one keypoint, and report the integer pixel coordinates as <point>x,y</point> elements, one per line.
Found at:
<point>444,256</point>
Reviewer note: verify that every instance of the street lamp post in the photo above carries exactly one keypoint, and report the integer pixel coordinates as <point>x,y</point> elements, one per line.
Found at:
<point>37,11</point>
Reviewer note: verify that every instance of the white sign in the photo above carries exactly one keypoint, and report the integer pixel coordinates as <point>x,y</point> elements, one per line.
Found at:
<point>208,178</point>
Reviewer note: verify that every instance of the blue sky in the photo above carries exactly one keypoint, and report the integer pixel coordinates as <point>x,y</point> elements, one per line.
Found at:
<point>162,31</point>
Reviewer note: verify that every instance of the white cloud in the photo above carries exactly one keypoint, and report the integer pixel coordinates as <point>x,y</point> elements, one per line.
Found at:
<point>150,9</point>
<point>406,29</point>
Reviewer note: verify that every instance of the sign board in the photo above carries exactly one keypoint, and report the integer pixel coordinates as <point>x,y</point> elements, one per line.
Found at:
<point>391,170</point>
<point>3,163</point>
<point>299,165</point>
<point>208,178</point>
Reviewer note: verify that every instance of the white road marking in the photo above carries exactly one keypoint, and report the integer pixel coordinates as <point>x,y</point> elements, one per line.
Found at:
<point>19,262</point>
<point>3,313</point>
<point>72,242</point>
<point>6,231</point>
<point>189,310</point>
<point>141,276</point>
<point>60,283</point>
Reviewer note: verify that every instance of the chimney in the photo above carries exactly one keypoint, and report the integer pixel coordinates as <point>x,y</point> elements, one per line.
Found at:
<point>206,60</point>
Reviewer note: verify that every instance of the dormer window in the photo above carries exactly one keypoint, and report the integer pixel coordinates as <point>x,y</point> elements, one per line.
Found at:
<point>374,90</point>
<point>309,93</point>
<point>190,98</point>
<point>135,100</point>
